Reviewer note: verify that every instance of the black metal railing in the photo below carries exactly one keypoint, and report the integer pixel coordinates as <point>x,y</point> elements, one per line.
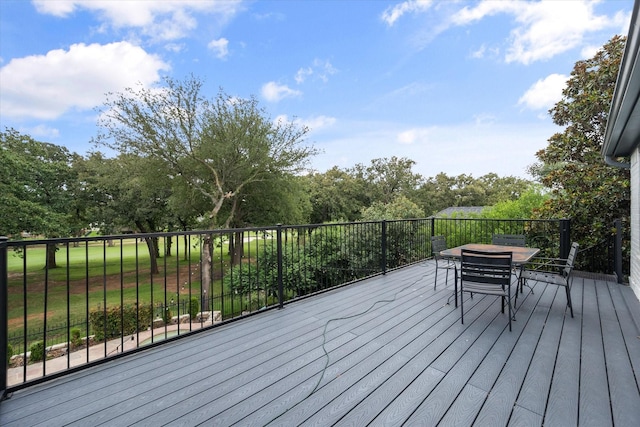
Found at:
<point>99,297</point>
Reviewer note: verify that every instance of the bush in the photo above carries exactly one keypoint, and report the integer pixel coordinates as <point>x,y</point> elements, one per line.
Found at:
<point>9,351</point>
<point>194,307</point>
<point>167,315</point>
<point>116,320</point>
<point>76,341</point>
<point>37,351</point>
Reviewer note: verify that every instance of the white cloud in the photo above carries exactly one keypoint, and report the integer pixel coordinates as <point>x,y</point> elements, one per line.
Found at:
<point>44,131</point>
<point>540,30</point>
<point>274,92</point>
<point>543,29</point>
<point>46,86</point>
<point>414,136</point>
<point>320,69</point>
<point>302,74</point>
<point>392,14</point>
<point>544,93</point>
<point>319,122</point>
<point>164,20</point>
<point>220,47</point>
<point>314,123</point>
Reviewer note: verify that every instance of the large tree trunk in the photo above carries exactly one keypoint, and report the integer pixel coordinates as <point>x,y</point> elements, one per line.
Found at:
<point>237,249</point>
<point>186,247</point>
<point>167,247</point>
<point>206,263</point>
<point>153,251</point>
<point>51,256</point>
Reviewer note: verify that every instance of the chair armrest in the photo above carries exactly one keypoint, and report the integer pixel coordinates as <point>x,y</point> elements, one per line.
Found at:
<point>545,264</point>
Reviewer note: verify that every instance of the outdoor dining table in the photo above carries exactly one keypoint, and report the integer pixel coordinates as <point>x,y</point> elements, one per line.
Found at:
<point>520,256</point>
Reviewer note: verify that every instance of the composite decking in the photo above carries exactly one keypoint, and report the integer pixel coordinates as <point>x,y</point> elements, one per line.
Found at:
<point>386,351</point>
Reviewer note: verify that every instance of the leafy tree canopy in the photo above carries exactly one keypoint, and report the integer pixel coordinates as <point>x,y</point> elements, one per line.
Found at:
<point>219,146</point>
<point>36,187</point>
<point>584,188</point>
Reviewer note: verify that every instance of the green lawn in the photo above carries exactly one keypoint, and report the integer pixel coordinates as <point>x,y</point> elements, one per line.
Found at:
<point>90,276</point>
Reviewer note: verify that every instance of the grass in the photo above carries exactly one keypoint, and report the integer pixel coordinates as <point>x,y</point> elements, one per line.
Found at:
<point>89,276</point>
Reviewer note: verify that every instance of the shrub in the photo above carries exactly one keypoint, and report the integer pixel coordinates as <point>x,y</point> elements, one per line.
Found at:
<point>194,307</point>
<point>9,351</point>
<point>116,320</point>
<point>76,341</point>
<point>37,351</point>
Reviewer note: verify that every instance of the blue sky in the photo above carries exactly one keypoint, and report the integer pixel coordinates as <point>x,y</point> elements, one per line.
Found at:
<point>459,87</point>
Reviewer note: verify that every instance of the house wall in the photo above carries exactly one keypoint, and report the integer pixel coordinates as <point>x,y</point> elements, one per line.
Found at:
<point>634,279</point>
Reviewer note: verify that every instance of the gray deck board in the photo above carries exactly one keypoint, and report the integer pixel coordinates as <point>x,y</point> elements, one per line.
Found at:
<point>396,354</point>
<point>593,370</point>
<point>623,386</point>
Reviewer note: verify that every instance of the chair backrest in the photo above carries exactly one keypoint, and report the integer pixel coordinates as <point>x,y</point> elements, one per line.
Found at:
<point>486,267</point>
<point>509,239</point>
<point>438,243</point>
<point>571,259</point>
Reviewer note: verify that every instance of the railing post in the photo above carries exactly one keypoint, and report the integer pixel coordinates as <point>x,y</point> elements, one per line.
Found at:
<point>565,237</point>
<point>383,257</point>
<point>617,250</point>
<point>280,281</point>
<point>4,319</point>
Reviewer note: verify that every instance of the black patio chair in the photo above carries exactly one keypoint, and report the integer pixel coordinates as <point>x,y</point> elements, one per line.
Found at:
<point>487,273</point>
<point>509,239</point>
<point>512,240</point>
<point>439,244</point>
<point>556,271</point>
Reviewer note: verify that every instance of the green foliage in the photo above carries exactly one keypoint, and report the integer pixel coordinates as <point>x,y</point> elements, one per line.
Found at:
<point>442,191</point>
<point>385,179</point>
<point>37,190</point>
<point>37,351</point>
<point>524,207</point>
<point>399,208</point>
<point>76,341</point>
<point>335,195</point>
<point>9,351</point>
<point>327,256</point>
<point>194,307</point>
<point>120,320</point>
<point>220,147</point>
<point>167,315</point>
<point>583,187</point>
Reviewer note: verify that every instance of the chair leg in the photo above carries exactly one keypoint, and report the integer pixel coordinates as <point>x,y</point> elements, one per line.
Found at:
<point>461,305</point>
<point>435,281</point>
<point>510,314</point>
<point>569,300</point>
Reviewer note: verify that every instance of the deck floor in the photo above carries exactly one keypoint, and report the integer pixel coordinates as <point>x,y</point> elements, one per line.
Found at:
<point>386,351</point>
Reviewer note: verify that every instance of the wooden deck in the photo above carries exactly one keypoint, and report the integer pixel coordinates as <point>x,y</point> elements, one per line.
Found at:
<point>396,354</point>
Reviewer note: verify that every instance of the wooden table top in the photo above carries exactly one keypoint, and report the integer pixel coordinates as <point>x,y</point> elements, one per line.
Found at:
<point>521,255</point>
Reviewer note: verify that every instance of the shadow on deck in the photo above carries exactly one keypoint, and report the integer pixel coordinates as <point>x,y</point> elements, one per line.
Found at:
<point>385,351</point>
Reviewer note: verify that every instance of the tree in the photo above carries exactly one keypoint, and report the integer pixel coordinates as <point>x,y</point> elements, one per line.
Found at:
<point>335,195</point>
<point>583,187</point>
<point>399,208</point>
<point>217,146</point>
<point>36,190</point>
<point>525,206</point>
<point>442,191</point>
<point>384,178</point>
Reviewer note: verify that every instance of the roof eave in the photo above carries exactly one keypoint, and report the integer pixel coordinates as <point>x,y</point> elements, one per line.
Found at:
<point>622,133</point>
